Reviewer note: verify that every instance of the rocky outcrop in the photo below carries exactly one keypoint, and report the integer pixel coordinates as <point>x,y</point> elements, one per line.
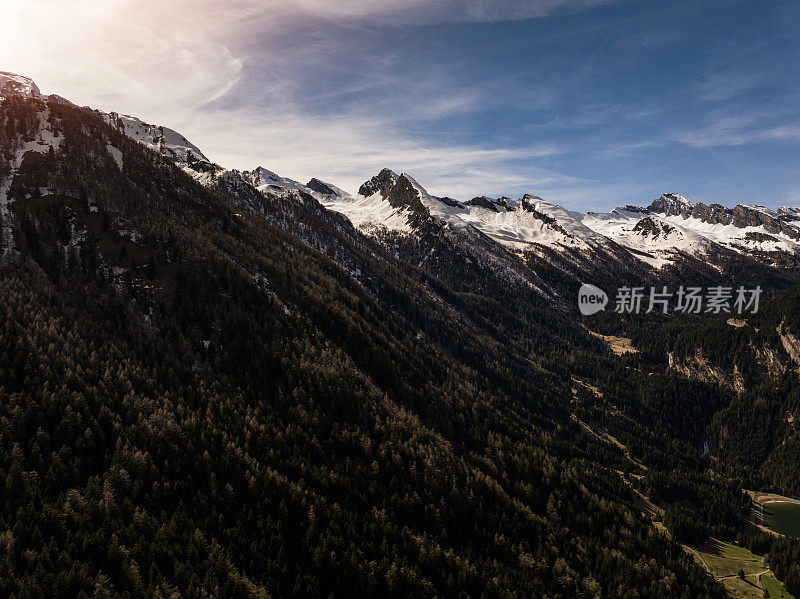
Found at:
<point>741,216</point>
<point>381,182</point>
<point>790,343</point>
<point>398,190</point>
<point>649,226</point>
<point>321,187</point>
<point>698,367</point>
<point>17,85</point>
<point>671,204</point>
<point>484,202</point>
<point>759,237</point>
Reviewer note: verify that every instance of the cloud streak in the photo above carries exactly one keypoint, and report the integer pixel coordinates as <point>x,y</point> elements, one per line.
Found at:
<point>428,12</point>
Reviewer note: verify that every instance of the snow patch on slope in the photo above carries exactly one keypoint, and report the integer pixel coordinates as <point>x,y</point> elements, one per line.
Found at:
<point>116,154</point>
<point>620,225</point>
<point>45,139</point>
<point>369,213</point>
<point>163,140</point>
<point>731,236</point>
<point>267,181</point>
<point>12,84</point>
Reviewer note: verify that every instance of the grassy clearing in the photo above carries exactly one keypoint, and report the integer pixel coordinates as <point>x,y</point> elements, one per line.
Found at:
<point>619,345</point>
<point>724,560</point>
<point>777,513</point>
<point>743,589</point>
<point>737,322</point>
<point>783,517</point>
<point>774,588</point>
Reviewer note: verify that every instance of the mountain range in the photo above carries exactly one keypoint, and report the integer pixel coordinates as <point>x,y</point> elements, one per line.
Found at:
<point>671,230</point>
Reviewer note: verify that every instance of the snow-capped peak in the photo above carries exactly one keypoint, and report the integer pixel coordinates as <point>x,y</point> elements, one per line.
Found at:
<point>788,213</point>
<point>420,189</point>
<point>670,227</point>
<point>672,204</point>
<point>163,140</point>
<point>379,182</point>
<point>12,84</point>
<point>266,180</point>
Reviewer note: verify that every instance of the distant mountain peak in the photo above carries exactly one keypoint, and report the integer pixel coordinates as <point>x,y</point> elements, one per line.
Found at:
<point>163,140</point>
<point>379,183</point>
<point>672,204</point>
<point>12,84</point>
<point>321,187</point>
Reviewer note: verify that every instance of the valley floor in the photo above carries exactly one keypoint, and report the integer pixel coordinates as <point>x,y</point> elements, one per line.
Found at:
<point>722,561</point>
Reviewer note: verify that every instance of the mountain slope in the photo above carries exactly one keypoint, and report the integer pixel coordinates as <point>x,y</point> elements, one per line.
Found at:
<point>214,389</point>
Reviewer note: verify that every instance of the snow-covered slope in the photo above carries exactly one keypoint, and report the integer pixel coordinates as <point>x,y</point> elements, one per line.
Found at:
<point>524,222</point>
<point>369,213</point>
<point>163,140</point>
<point>518,224</point>
<point>652,238</point>
<point>12,84</point>
<point>265,180</point>
<point>673,225</point>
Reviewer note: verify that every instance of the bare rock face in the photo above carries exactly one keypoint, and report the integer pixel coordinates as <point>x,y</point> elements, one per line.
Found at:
<point>484,202</point>
<point>741,216</point>
<point>790,343</point>
<point>650,227</point>
<point>714,213</point>
<point>759,237</point>
<point>381,182</point>
<point>672,204</point>
<point>637,209</point>
<point>493,204</point>
<point>405,193</point>
<point>321,187</point>
<point>788,213</point>
<point>447,201</point>
<point>744,216</point>
<point>398,190</point>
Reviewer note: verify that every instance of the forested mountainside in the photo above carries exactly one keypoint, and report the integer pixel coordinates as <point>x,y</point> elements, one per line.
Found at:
<point>756,362</point>
<point>214,390</point>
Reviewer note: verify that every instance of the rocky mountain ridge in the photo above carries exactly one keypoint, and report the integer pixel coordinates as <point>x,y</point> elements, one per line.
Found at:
<point>510,235</point>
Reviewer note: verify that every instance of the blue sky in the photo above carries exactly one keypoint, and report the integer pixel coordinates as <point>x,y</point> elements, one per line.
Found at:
<point>587,103</point>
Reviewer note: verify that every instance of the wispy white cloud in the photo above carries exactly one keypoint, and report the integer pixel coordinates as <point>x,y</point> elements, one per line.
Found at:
<point>120,54</point>
<point>740,129</point>
<point>439,11</point>
<point>176,62</point>
<point>726,84</point>
<point>349,149</point>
